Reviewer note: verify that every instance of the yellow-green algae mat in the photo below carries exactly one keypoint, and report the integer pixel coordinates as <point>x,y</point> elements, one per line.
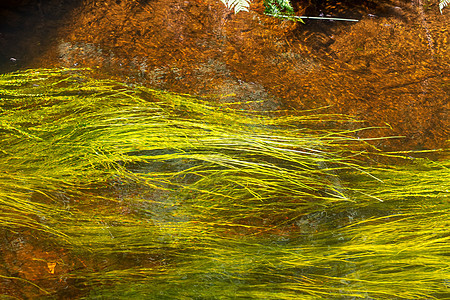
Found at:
<point>154,195</point>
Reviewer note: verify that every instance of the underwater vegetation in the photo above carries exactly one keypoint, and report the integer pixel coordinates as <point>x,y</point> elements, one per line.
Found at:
<point>160,195</point>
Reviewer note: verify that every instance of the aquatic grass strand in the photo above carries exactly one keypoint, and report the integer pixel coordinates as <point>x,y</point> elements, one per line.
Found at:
<point>155,193</point>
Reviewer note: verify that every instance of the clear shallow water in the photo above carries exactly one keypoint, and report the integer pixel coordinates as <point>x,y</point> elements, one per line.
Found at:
<point>392,67</point>
<point>381,70</point>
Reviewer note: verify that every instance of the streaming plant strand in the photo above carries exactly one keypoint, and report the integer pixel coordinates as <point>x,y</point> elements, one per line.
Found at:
<point>165,194</point>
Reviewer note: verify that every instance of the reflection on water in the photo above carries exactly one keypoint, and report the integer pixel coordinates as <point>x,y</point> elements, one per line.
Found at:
<point>155,243</point>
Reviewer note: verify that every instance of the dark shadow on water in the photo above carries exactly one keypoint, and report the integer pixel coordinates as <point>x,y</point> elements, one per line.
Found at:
<point>28,28</point>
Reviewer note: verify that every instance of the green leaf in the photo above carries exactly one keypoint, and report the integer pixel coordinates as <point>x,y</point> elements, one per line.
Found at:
<point>278,7</point>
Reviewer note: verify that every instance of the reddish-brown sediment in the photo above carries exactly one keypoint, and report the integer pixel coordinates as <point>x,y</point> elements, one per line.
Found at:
<point>392,67</point>
<point>381,69</point>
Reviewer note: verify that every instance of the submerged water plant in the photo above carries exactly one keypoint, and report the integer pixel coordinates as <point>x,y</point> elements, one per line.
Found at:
<point>155,194</point>
<point>64,131</point>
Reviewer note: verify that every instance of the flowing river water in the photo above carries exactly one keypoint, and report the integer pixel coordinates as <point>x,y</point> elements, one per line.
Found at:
<point>391,69</point>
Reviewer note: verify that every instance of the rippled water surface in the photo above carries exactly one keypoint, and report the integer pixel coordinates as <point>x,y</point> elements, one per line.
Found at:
<point>391,70</point>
